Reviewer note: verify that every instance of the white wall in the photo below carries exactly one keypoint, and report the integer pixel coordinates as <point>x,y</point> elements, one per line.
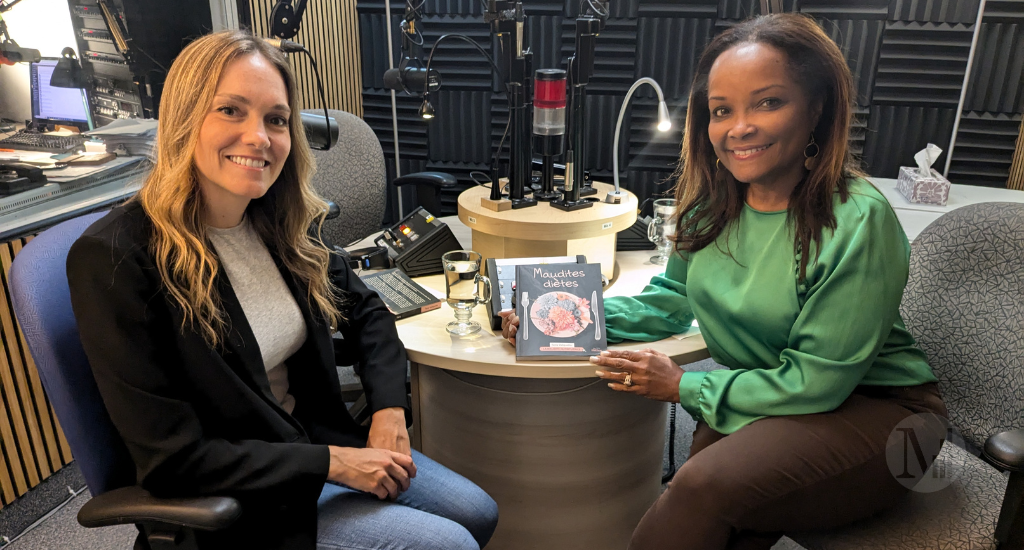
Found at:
<point>41,24</point>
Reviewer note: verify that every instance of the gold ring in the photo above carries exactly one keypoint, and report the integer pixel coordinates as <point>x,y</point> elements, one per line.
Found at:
<point>628,381</point>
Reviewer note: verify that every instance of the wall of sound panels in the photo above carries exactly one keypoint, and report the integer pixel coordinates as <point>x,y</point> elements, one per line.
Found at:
<point>32,445</point>
<point>330,31</point>
<point>908,59</point>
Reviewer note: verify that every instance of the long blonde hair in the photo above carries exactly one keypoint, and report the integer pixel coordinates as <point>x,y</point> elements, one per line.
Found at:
<point>172,199</point>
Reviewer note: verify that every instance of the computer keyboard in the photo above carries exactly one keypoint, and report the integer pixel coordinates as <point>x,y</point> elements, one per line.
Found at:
<point>32,141</point>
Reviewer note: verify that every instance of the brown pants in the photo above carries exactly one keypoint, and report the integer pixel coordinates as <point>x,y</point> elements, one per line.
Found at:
<point>785,473</point>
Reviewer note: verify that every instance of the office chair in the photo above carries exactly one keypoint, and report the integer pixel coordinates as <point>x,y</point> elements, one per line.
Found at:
<point>964,303</point>
<point>42,305</point>
<point>352,175</point>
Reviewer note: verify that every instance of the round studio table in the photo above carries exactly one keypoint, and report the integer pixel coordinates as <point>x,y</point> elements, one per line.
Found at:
<point>571,463</point>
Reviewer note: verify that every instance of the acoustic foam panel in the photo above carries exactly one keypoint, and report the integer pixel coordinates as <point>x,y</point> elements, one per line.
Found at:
<point>896,132</point>
<point>858,130</point>
<point>601,112</point>
<point>997,75</point>
<point>860,40</point>
<point>935,11</point>
<point>845,9</point>
<point>1011,11</point>
<point>460,64</point>
<point>451,7</point>
<point>649,185</point>
<point>544,36</point>
<point>650,149</point>
<point>667,51</point>
<point>412,130</point>
<point>922,63</point>
<point>460,131</point>
<point>983,153</point>
<point>614,58</point>
<point>373,40</point>
<point>678,8</point>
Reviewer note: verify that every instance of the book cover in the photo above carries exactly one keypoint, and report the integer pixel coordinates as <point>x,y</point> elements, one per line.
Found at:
<point>560,311</point>
<point>400,293</point>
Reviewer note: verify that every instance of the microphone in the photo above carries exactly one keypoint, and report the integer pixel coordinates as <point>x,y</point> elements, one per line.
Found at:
<point>16,54</point>
<point>406,78</point>
<point>286,46</point>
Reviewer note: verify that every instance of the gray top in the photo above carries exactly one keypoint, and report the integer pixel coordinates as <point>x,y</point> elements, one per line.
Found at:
<point>269,306</point>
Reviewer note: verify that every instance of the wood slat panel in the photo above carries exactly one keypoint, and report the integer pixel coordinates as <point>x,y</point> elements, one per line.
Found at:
<point>41,468</point>
<point>33,445</point>
<point>330,30</point>
<point>10,483</point>
<point>65,448</point>
<point>42,406</point>
<point>1016,180</point>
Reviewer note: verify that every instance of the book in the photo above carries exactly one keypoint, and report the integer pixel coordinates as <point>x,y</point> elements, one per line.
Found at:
<point>502,272</point>
<point>560,311</point>
<point>401,294</point>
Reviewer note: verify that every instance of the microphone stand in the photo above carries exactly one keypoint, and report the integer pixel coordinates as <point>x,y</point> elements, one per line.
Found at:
<point>507,22</point>
<point>581,68</point>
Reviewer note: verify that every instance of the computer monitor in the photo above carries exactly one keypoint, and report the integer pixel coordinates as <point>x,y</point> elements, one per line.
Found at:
<point>52,105</point>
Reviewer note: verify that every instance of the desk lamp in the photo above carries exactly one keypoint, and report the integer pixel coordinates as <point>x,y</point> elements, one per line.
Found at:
<point>68,73</point>
<point>664,125</point>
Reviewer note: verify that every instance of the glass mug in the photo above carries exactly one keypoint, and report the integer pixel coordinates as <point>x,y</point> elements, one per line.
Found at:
<point>462,282</point>
<point>662,228</point>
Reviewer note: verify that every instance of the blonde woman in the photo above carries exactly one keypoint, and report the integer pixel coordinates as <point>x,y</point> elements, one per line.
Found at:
<point>206,309</point>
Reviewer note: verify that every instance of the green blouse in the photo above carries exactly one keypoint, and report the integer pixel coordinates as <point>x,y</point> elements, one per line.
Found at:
<point>792,347</point>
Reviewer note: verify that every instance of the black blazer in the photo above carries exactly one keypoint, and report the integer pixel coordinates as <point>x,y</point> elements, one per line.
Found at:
<point>202,421</point>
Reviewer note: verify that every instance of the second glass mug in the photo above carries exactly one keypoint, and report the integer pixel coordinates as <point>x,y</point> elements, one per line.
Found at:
<point>662,228</point>
<point>463,283</point>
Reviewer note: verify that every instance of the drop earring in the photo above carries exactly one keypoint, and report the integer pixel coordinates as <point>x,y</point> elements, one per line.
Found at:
<point>811,160</point>
<point>718,163</point>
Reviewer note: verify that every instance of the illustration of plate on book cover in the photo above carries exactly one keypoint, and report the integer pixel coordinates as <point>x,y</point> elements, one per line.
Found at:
<point>560,314</point>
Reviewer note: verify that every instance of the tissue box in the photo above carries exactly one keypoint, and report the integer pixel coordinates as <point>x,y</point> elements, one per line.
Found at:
<point>933,190</point>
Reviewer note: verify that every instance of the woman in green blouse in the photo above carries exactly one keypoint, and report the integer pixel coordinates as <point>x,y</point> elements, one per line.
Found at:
<point>794,267</point>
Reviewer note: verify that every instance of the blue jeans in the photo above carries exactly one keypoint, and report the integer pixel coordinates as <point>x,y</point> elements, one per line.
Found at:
<point>441,511</point>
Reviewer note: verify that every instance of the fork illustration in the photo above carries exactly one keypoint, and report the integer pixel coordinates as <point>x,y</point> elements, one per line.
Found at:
<point>526,316</point>
<point>597,319</point>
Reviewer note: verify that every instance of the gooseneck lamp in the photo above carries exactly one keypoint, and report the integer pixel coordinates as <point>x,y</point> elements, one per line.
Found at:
<point>664,125</point>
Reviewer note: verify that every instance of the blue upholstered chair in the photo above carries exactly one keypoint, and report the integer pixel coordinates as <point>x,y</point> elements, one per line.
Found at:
<point>42,304</point>
<point>964,303</point>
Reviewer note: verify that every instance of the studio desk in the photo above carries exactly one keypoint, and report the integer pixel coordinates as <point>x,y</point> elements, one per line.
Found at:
<point>571,463</point>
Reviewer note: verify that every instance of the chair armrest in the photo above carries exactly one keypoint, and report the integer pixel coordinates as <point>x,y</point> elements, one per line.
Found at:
<point>132,505</point>
<point>1006,450</point>
<point>438,180</point>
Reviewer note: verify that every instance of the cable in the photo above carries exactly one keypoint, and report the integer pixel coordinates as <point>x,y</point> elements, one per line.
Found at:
<point>155,62</point>
<point>426,83</point>
<point>671,446</point>
<point>594,7</point>
<point>478,182</point>
<point>323,98</point>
